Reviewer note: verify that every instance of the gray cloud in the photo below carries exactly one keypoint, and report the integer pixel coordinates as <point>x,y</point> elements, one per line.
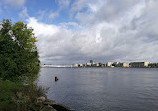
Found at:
<point>107,31</point>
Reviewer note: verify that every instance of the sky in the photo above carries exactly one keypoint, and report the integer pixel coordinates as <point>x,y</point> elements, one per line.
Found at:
<point>76,31</point>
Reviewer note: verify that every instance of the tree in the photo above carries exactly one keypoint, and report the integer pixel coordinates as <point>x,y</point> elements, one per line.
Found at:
<point>19,59</point>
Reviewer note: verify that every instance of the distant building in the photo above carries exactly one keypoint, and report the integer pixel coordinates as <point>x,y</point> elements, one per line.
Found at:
<point>139,64</point>
<point>123,65</point>
<point>81,65</point>
<point>109,64</point>
<point>91,61</point>
<point>88,64</point>
<point>116,64</point>
<point>103,65</point>
<point>100,64</point>
<point>97,64</point>
<point>76,65</point>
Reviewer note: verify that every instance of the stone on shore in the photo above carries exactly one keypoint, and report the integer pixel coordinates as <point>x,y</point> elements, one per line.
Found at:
<point>49,105</point>
<point>48,108</point>
<point>60,107</point>
<point>41,99</point>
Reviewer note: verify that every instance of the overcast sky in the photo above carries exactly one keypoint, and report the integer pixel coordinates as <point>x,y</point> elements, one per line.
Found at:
<point>76,31</point>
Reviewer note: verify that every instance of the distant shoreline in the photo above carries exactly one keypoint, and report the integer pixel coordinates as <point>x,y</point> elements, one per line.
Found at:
<point>96,67</point>
<point>91,64</point>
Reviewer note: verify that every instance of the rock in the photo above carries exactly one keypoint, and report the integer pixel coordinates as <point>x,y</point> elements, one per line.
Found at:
<point>41,99</point>
<point>56,78</point>
<point>48,108</point>
<point>60,107</point>
<point>49,102</point>
<point>49,105</point>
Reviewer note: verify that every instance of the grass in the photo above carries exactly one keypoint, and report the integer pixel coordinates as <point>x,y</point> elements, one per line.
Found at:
<point>18,97</point>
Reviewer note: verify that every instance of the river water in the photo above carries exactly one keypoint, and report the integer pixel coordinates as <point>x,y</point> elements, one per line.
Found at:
<point>102,89</point>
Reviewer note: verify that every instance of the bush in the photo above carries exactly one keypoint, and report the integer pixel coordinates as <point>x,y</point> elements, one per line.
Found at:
<point>19,97</point>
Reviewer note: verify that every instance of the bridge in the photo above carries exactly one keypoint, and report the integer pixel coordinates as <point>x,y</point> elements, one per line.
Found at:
<point>58,66</point>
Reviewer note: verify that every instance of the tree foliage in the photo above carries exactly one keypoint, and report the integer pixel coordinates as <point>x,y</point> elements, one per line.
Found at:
<point>153,65</point>
<point>19,58</point>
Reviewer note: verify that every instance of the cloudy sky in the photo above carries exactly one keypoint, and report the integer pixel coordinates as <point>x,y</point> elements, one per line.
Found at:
<point>76,31</point>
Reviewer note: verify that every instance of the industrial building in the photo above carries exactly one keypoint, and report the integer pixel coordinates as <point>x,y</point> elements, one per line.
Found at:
<point>139,64</point>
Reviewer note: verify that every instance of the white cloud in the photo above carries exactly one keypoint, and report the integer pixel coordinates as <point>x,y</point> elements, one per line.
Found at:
<point>71,25</point>
<point>128,33</point>
<point>47,15</point>
<point>88,6</point>
<point>41,28</point>
<point>54,41</point>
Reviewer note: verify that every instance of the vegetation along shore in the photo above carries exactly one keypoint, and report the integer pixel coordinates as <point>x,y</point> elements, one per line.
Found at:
<point>19,68</point>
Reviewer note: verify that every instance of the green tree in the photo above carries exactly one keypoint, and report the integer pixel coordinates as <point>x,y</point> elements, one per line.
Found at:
<point>19,60</point>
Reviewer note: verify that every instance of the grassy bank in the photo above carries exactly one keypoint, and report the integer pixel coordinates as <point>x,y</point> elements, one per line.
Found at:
<point>18,97</point>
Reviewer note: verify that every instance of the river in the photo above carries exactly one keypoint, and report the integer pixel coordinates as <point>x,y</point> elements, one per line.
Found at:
<point>102,89</point>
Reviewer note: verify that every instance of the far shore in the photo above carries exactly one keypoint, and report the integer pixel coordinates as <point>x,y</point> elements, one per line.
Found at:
<point>71,66</point>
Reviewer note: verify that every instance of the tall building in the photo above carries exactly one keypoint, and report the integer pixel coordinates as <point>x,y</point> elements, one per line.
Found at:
<point>91,61</point>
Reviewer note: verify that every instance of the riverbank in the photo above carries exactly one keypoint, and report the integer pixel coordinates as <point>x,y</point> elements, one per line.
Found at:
<point>18,97</point>
<point>50,105</point>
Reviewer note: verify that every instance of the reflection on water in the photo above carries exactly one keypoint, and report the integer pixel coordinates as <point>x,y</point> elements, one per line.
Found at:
<point>103,89</point>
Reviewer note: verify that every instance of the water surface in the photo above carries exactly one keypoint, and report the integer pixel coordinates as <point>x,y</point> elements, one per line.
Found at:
<point>103,89</point>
